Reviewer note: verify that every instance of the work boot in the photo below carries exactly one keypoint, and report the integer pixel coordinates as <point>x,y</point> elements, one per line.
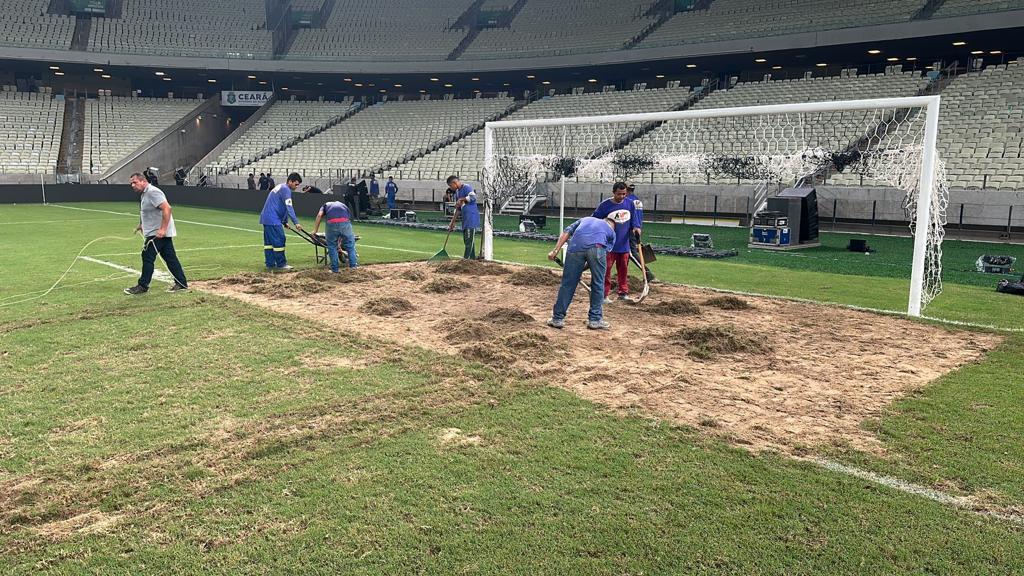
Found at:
<point>598,325</point>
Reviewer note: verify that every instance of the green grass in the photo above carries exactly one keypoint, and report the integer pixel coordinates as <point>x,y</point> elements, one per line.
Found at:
<point>209,434</point>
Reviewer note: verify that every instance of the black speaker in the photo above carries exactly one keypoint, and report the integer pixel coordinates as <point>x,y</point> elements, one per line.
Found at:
<point>801,205</point>
<point>540,220</point>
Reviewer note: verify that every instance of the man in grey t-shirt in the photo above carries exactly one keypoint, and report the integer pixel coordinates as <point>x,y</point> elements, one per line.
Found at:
<point>157,226</point>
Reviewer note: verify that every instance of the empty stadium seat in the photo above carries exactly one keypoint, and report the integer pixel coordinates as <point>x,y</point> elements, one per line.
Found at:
<point>981,128</point>
<point>30,132</point>
<point>115,126</point>
<point>382,134</point>
<point>465,157</point>
<point>25,23</point>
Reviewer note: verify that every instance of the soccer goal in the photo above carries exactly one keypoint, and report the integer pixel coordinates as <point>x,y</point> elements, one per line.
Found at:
<point>890,142</point>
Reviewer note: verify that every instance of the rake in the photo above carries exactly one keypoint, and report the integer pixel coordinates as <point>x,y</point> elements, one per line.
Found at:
<point>443,254</point>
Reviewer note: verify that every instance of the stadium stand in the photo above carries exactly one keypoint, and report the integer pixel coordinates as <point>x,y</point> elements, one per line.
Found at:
<point>392,30</point>
<point>980,128</point>
<point>735,139</point>
<point>282,121</point>
<point>30,131</point>
<point>556,27</point>
<point>116,125</point>
<point>951,8</point>
<point>735,19</point>
<point>25,23</point>
<point>383,134</point>
<point>226,29</point>
<point>465,157</point>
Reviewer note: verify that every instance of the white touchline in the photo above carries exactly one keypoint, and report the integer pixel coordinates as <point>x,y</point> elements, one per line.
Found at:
<point>58,221</point>
<point>235,228</point>
<point>961,502</point>
<point>176,249</point>
<point>158,275</point>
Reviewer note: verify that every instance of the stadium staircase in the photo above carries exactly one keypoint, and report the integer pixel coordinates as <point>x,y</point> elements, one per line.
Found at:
<point>58,7</point>
<point>522,204</point>
<point>326,9</point>
<point>80,38</point>
<point>72,139</point>
<point>114,8</point>
<point>928,10</point>
<point>469,20</point>
<point>664,10</point>
<point>290,142</point>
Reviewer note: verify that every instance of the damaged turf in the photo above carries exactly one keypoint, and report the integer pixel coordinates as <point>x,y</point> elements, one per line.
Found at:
<point>728,303</point>
<point>471,267</point>
<point>676,307</point>
<point>534,277</point>
<point>509,316</point>
<point>445,285</point>
<point>708,342</point>
<point>386,306</point>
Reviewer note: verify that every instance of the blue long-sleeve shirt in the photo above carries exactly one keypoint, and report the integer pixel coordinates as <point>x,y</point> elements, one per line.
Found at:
<point>374,188</point>
<point>638,211</point>
<point>588,232</point>
<point>622,231</point>
<point>278,208</point>
<point>391,189</point>
<point>470,210</point>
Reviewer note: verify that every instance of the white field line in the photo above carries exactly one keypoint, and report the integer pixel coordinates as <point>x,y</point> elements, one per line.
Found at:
<point>158,275</point>
<point>239,229</point>
<point>176,249</point>
<point>58,221</point>
<point>960,502</point>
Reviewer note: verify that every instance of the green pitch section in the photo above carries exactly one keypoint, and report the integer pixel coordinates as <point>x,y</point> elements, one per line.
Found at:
<point>193,434</point>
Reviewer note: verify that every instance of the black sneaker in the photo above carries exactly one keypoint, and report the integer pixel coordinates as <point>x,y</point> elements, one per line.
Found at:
<point>135,290</point>
<point>177,288</point>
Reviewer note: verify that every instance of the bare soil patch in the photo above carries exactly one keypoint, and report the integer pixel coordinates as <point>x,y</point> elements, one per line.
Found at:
<point>675,307</point>
<point>472,268</point>
<point>530,276</point>
<point>781,375</point>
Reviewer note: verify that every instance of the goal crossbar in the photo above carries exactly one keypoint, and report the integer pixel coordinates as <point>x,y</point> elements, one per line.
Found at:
<point>929,158</point>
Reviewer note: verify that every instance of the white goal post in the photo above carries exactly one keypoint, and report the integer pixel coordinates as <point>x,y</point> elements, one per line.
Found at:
<point>890,140</point>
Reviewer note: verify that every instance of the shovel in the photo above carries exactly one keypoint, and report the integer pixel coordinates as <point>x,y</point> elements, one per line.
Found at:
<point>443,254</point>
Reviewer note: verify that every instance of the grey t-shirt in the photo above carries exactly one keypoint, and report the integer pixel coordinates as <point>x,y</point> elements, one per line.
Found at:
<point>150,213</point>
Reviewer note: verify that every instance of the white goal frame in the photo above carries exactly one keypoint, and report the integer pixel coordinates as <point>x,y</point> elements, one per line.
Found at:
<point>929,104</point>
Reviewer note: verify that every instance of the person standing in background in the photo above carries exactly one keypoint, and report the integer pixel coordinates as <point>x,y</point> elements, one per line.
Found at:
<point>263,182</point>
<point>391,191</point>
<point>635,240</point>
<point>270,182</point>
<point>618,254</point>
<point>251,182</point>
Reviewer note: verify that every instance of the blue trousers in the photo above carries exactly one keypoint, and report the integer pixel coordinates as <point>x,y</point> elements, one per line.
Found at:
<point>341,230</point>
<point>391,201</point>
<point>273,246</point>
<point>575,262</point>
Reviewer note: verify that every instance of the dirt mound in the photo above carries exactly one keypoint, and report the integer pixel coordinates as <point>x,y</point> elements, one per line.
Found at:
<point>471,267</point>
<point>346,276</point>
<point>509,316</point>
<point>386,306</point>
<point>707,342</point>
<point>676,307</point>
<point>534,277</point>
<point>414,275</point>
<point>468,332</point>
<point>445,285</point>
<point>728,303</point>
<point>245,279</point>
<point>506,351</point>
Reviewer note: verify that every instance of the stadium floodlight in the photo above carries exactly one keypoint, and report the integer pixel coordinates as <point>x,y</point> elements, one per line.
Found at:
<point>891,141</point>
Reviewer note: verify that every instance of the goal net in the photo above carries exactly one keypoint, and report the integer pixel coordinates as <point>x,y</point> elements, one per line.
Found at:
<point>884,142</point>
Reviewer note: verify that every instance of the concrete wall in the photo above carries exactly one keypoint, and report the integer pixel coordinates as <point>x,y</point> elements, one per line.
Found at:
<point>182,144</point>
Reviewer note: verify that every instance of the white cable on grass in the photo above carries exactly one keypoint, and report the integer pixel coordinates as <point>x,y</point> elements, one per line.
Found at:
<point>66,272</point>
